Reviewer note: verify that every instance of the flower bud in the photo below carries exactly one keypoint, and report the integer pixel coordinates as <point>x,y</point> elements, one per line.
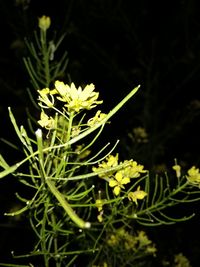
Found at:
<point>44,23</point>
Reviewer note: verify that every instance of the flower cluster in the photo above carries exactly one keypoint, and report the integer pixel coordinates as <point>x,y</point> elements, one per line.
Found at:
<point>181,261</point>
<point>105,168</point>
<point>75,99</point>
<point>136,243</point>
<point>193,176</point>
<point>118,178</point>
<point>46,121</point>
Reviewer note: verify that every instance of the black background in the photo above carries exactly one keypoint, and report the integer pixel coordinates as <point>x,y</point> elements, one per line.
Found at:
<point>116,45</point>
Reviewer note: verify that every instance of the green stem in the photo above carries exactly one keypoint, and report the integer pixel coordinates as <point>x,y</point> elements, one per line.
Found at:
<point>161,205</point>
<point>55,240</point>
<point>45,55</point>
<point>70,124</point>
<point>43,236</point>
<point>61,199</point>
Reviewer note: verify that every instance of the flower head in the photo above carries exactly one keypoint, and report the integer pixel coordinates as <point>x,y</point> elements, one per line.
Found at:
<point>133,170</point>
<point>46,121</point>
<point>99,204</point>
<point>44,23</point>
<point>44,98</point>
<point>177,169</point>
<point>100,216</point>
<point>138,194</point>
<point>193,176</point>
<point>96,119</point>
<point>111,161</point>
<point>181,260</point>
<point>76,99</point>
<point>140,135</point>
<point>118,182</point>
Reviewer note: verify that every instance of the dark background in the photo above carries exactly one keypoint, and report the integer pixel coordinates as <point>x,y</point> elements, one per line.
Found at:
<point>116,45</point>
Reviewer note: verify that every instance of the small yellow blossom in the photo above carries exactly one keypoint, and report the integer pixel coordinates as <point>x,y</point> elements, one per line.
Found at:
<point>181,261</point>
<point>96,119</point>
<point>151,249</point>
<point>46,121</point>
<point>75,131</point>
<point>118,182</point>
<point>43,97</point>
<point>193,176</point>
<point>143,239</point>
<point>140,135</point>
<point>138,194</point>
<point>76,99</point>
<point>111,161</point>
<point>145,243</point>
<point>99,204</point>
<point>113,240</point>
<point>136,242</point>
<point>133,170</point>
<point>44,23</point>
<point>100,216</point>
<point>177,169</point>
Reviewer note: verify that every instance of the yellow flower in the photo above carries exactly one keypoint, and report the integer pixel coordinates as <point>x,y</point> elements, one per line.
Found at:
<point>193,176</point>
<point>46,121</point>
<point>100,216</point>
<point>138,194</point>
<point>181,261</point>
<point>43,97</point>
<point>133,170</point>
<point>143,239</point>
<point>96,119</point>
<point>145,244</point>
<point>99,204</point>
<point>75,131</point>
<point>111,161</point>
<point>44,23</point>
<point>140,135</point>
<point>177,169</point>
<point>113,240</point>
<point>118,182</point>
<point>76,99</point>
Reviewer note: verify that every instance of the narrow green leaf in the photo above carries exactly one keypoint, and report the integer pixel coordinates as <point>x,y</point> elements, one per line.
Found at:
<point>8,170</point>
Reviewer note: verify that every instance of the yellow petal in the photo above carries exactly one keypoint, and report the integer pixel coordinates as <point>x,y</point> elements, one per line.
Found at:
<point>131,196</point>
<point>117,190</point>
<point>113,183</point>
<point>61,88</point>
<point>118,176</point>
<point>125,180</point>
<point>141,194</point>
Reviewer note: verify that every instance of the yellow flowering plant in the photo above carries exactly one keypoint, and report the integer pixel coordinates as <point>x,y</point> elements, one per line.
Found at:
<point>84,202</point>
